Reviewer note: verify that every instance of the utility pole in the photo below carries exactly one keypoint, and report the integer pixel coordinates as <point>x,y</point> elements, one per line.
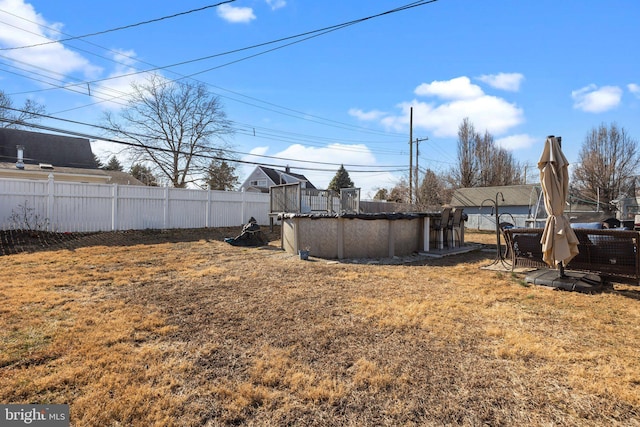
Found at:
<point>418,141</point>
<point>410,154</point>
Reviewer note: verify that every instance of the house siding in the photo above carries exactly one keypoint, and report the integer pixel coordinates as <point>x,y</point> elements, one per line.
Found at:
<point>257,175</point>
<point>272,177</point>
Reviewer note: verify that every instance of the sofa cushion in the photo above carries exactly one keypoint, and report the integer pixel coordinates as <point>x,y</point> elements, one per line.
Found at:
<point>588,225</point>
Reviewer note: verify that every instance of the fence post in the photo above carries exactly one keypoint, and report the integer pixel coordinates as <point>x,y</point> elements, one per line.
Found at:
<point>114,207</point>
<point>207,214</point>
<point>50,200</point>
<point>243,205</point>
<point>165,219</point>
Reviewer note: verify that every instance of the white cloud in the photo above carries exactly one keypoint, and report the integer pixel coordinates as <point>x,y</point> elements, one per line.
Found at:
<point>634,89</point>
<point>31,30</point>
<point>592,99</point>
<point>118,85</point>
<point>460,99</point>
<point>505,81</point>
<point>516,142</point>
<point>236,14</point>
<point>457,88</point>
<point>244,169</point>
<point>366,115</point>
<point>104,150</point>
<point>258,151</point>
<point>276,4</point>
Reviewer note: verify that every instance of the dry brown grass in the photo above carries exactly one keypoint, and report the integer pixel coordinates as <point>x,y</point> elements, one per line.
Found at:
<point>163,329</point>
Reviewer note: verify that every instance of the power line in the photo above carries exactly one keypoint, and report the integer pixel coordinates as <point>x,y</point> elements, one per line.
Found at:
<point>166,150</point>
<point>305,116</point>
<point>82,91</point>
<point>270,136</point>
<point>175,15</point>
<point>311,34</point>
<point>309,140</point>
<point>113,100</point>
<point>140,145</point>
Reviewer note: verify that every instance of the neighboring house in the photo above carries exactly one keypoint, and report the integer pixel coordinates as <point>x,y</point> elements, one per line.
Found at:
<point>34,155</point>
<point>520,205</point>
<point>263,177</point>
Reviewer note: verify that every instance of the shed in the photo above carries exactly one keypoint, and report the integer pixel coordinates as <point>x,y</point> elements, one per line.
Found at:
<point>520,205</point>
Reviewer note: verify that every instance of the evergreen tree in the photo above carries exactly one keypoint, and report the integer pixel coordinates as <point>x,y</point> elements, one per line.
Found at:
<point>144,174</point>
<point>341,180</point>
<point>221,176</point>
<point>97,162</point>
<point>113,165</point>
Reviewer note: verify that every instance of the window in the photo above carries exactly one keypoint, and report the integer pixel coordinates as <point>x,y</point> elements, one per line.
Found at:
<point>258,183</point>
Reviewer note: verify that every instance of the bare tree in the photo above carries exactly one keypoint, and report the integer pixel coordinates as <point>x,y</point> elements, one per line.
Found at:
<point>480,162</point>
<point>14,117</point>
<point>432,192</point>
<point>467,172</point>
<point>507,171</point>
<point>381,194</point>
<point>484,147</point>
<point>607,164</point>
<point>400,192</point>
<point>177,127</point>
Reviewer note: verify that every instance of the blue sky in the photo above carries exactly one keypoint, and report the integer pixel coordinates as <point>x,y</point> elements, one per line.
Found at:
<point>519,69</point>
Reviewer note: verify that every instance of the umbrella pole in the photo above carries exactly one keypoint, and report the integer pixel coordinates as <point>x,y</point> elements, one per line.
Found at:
<point>561,268</point>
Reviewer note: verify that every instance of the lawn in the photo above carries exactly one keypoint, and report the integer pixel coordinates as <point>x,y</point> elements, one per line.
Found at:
<point>183,329</point>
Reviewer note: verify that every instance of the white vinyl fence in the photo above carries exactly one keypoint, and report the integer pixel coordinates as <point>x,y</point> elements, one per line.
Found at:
<point>80,207</point>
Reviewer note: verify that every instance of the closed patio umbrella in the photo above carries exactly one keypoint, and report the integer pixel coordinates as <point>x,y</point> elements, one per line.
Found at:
<point>559,241</point>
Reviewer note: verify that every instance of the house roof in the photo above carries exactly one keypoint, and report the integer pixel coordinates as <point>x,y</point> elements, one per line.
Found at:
<point>57,150</point>
<point>274,175</point>
<point>71,158</point>
<point>122,178</point>
<point>514,195</point>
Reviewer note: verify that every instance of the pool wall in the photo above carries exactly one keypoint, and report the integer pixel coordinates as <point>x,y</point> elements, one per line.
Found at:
<point>338,237</point>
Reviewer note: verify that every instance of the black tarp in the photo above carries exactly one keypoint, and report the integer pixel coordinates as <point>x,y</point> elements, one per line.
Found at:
<point>250,235</point>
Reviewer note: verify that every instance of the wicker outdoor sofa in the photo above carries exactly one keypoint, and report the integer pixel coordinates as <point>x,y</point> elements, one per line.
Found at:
<point>611,253</point>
